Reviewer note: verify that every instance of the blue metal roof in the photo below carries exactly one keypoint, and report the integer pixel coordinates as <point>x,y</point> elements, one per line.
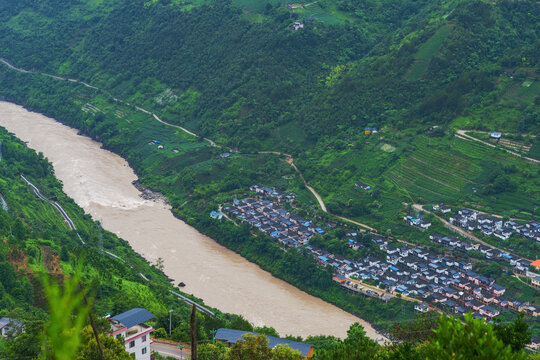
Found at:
<point>133,317</point>
<point>232,336</point>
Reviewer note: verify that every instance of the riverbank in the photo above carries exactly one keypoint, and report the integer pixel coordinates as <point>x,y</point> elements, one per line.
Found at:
<point>218,275</point>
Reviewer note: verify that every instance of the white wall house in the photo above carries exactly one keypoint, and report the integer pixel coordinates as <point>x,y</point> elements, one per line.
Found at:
<point>9,327</point>
<point>131,326</point>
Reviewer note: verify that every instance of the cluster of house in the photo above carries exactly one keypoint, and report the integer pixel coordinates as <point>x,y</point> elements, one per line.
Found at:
<point>273,220</point>
<point>277,194</point>
<point>490,225</point>
<point>417,222</point>
<point>442,281</point>
<point>520,265</point>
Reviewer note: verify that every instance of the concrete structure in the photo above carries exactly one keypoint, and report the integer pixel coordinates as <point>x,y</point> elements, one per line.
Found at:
<point>131,326</point>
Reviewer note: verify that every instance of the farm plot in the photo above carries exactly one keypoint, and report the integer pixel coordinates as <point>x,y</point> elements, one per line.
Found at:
<point>414,190</point>
<point>434,174</point>
<point>89,108</point>
<point>472,149</point>
<point>514,145</point>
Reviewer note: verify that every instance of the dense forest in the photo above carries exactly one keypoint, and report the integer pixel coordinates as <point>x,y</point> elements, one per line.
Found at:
<point>241,81</point>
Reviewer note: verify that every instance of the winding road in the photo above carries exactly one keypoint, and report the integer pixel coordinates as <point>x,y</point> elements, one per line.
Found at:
<point>212,143</point>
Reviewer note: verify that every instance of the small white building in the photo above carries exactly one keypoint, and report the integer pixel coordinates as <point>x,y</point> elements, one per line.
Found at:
<point>131,326</point>
<point>8,326</point>
<point>421,307</point>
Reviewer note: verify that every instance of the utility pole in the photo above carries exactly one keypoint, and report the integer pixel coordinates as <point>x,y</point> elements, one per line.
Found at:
<point>170,322</point>
<point>193,326</point>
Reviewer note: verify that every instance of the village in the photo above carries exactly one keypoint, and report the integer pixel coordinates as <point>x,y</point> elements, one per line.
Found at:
<point>433,281</point>
<point>273,220</point>
<point>490,225</point>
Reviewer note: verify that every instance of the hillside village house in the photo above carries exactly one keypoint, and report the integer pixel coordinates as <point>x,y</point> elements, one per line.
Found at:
<point>8,326</point>
<point>535,282</point>
<point>131,326</point>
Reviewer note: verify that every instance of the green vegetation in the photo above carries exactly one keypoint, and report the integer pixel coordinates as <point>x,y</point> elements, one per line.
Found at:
<point>427,51</point>
<point>235,72</point>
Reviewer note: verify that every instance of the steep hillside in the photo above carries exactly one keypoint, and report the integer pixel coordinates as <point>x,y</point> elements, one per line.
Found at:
<point>240,81</point>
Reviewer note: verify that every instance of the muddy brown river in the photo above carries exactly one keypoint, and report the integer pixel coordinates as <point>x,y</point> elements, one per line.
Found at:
<point>101,183</point>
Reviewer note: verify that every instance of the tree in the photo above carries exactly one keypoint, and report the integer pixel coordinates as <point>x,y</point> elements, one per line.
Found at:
<point>26,345</point>
<point>251,347</point>
<point>113,349</point>
<point>415,331</point>
<point>516,334</point>
<point>159,333</point>
<point>159,264</point>
<point>285,352</point>
<point>472,340</point>
<point>357,346</point>
<point>267,330</point>
<point>19,230</point>
<point>7,275</point>
<point>216,351</point>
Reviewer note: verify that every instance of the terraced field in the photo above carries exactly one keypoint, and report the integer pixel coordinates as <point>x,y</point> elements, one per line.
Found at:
<point>434,174</point>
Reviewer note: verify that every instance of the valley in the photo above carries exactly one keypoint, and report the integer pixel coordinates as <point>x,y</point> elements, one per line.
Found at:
<point>304,165</point>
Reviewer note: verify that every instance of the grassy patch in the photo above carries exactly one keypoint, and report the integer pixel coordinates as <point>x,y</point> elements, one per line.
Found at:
<point>427,51</point>
<point>388,148</point>
<point>253,17</point>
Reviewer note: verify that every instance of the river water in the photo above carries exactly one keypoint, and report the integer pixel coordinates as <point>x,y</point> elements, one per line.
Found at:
<point>101,183</point>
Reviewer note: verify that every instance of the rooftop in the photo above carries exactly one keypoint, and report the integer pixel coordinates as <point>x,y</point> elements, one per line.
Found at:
<point>133,317</point>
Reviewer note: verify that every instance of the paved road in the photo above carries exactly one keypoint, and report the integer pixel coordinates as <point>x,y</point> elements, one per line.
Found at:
<point>170,350</point>
<point>462,135</point>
